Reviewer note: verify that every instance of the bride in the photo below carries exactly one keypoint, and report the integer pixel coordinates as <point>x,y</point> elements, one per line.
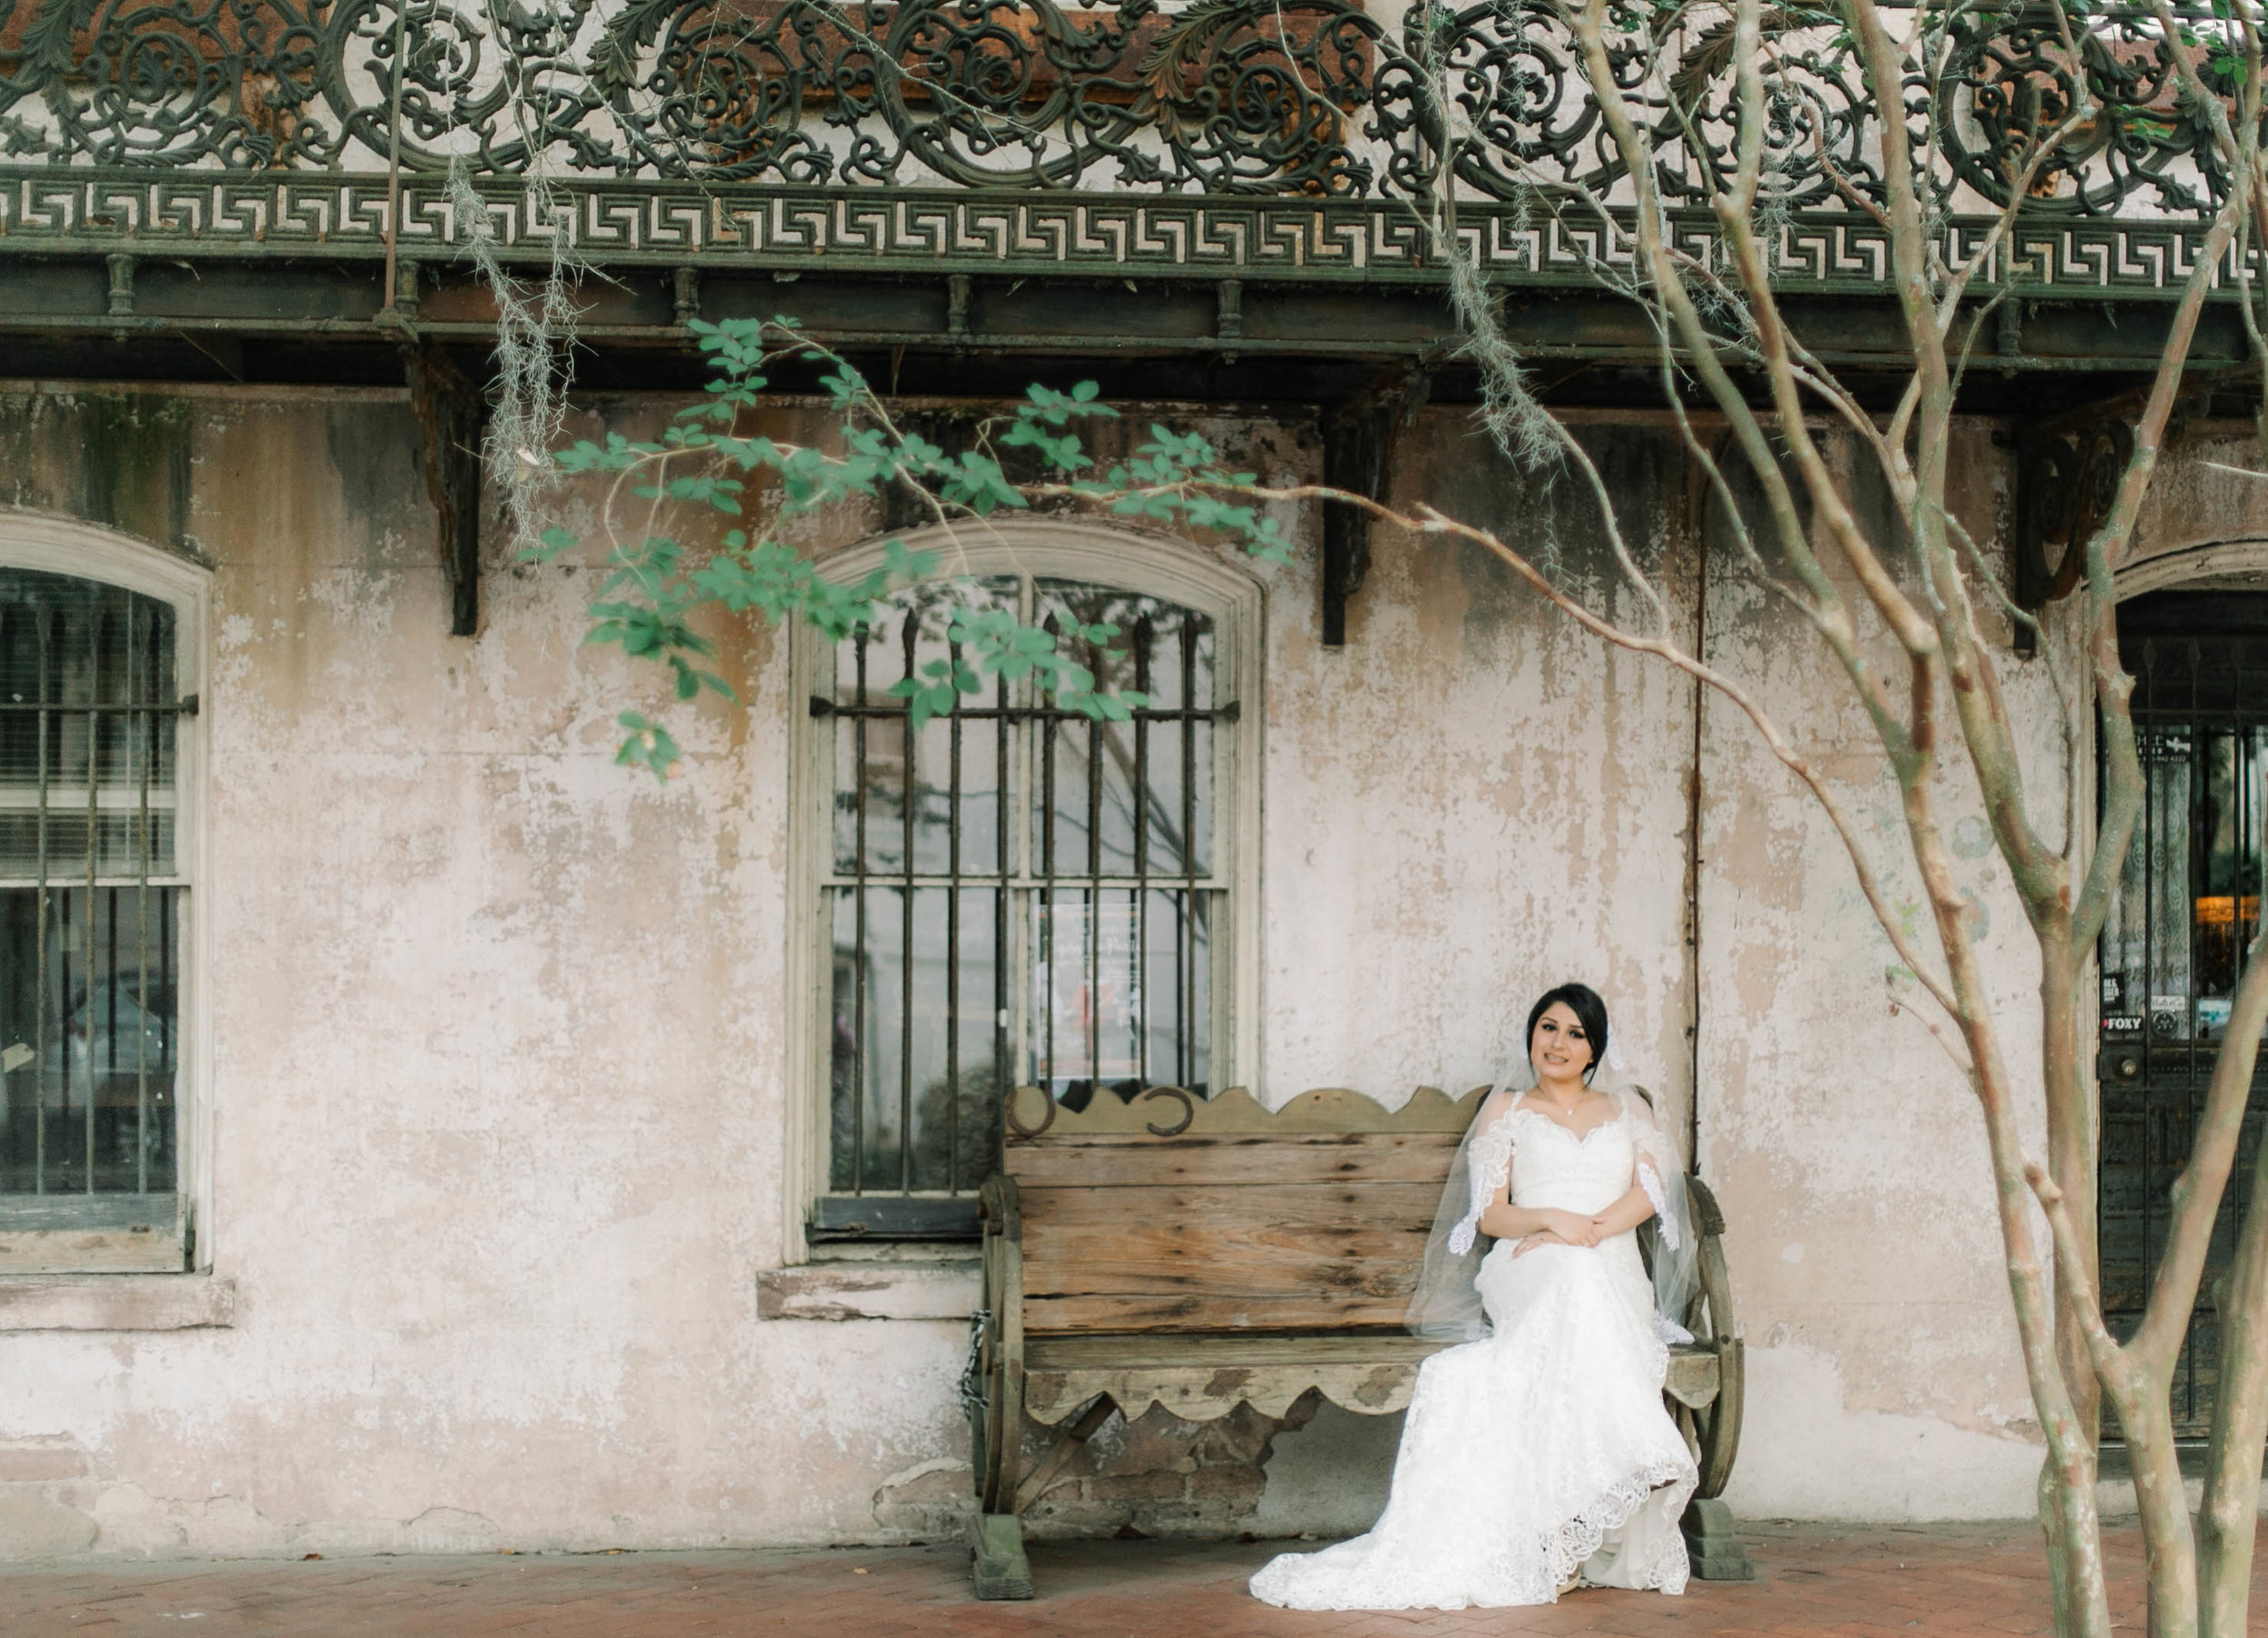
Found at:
<point>1538,1456</point>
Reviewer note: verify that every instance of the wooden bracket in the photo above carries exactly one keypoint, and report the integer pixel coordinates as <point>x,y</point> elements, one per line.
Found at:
<point>1358,439</point>
<point>1228,315</point>
<point>2066,483</point>
<point>1045,1470</point>
<point>450,411</point>
<point>2068,468</point>
<point>2009,334</point>
<point>407,278</point>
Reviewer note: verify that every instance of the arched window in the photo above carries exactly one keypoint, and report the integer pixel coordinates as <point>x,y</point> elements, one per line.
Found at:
<point>1019,896</point>
<point>93,896</point>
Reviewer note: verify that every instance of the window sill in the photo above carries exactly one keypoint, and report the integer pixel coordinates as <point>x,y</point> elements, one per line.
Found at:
<point>115,1302</point>
<point>918,1220</point>
<point>870,1290</point>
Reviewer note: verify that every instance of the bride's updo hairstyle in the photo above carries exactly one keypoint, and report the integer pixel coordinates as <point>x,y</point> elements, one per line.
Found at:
<point>1590,1011</point>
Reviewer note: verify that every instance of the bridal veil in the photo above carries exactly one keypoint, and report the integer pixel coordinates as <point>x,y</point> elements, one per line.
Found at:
<point>1447,1301</point>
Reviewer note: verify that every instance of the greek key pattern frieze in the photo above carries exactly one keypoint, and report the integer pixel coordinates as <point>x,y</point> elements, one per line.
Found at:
<point>45,208</point>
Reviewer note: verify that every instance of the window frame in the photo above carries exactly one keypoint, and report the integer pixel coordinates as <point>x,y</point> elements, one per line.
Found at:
<point>1134,560</point>
<point>45,543</point>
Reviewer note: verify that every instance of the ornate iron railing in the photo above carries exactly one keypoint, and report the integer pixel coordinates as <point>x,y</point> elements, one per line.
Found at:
<point>1302,98</point>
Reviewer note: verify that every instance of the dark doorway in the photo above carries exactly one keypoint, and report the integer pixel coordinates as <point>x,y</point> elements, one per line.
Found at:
<point>2172,950</point>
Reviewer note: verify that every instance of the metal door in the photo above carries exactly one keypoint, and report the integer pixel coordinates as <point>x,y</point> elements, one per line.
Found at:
<point>2172,950</point>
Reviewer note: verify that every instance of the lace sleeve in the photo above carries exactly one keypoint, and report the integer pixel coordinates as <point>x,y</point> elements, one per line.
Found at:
<point>1491,1164</point>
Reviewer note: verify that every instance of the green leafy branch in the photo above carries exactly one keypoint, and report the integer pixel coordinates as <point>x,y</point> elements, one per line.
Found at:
<point>654,586</point>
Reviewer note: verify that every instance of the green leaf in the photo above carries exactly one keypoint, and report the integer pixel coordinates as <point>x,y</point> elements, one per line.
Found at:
<point>902,565</point>
<point>555,540</point>
<point>691,679</point>
<point>648,744</point>
<point>924,700</point>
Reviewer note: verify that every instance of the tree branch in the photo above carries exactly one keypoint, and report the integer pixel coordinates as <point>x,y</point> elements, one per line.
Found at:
<point>1427,521</point>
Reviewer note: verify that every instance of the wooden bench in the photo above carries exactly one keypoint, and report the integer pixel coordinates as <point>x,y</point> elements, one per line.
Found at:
<point>1203,1254</point>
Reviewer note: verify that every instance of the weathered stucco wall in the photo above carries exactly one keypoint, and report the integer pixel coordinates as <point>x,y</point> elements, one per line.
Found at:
<point>1837,1130</point>
<point>1472,800</point>
<point>499,1031</point>
<point>495,1037</point>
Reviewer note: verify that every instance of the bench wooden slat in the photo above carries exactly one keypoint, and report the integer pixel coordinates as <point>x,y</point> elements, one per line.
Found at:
<point>1116,1162</point>
<point>1371,1385</point>
<point>1227,1264</point>
<point>1201,1376</point>
<point>1331,1206</point>
<point>1104,1265</point>
<point>1327,1242</point>
<point>1201,1395</point>
<point>1148,1351</point>
<point>1118,1311</point>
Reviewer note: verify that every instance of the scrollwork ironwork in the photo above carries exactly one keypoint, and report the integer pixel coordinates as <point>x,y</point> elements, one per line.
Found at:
<point>1287,98</point>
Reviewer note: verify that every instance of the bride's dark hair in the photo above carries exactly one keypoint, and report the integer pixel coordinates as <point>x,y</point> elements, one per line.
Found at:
<point>1590,1011</point>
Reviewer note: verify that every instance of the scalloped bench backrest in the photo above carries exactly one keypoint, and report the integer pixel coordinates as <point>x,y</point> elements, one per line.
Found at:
<point>1175,1214</point>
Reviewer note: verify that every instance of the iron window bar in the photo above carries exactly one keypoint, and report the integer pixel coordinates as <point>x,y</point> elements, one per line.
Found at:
<point>124,742</point>
<point>882,806</point>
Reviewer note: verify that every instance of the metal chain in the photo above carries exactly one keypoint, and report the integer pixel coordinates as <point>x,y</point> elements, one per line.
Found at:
<point>971,1390</point>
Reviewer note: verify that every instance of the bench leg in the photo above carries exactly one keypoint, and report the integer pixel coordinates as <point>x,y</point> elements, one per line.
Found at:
<point>1716,1551</point>
<point>997,1563</point>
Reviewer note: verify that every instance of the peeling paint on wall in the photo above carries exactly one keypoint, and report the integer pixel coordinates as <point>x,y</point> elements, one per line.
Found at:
<point>501,1031</point>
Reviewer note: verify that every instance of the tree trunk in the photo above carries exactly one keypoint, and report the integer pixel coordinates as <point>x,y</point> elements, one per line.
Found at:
<point>2229,1520</point>
<point>2071,1163</point>
<point>2146,1414</point>
<point>2068,1483</point>
<point>2072,1120</point>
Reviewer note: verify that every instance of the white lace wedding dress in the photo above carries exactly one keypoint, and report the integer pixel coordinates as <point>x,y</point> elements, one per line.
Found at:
<point>1544,1449</point>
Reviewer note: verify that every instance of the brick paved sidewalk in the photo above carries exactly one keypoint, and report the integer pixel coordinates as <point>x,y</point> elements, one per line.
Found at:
<point>1873,1583</point>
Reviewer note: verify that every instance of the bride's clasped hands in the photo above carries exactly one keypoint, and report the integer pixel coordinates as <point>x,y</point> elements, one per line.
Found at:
<point>1562,1228</point>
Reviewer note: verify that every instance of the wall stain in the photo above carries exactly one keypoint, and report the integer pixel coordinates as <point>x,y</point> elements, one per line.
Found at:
<point>123,460</point>
<point>134,464</point>
<point>375,450</point>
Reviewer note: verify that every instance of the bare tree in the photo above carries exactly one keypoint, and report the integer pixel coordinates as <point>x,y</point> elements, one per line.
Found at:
<point>1931,593</point>
<point>1906,610</point>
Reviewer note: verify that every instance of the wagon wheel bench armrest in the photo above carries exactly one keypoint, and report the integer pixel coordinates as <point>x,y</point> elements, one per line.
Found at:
<point>1202,1255</point>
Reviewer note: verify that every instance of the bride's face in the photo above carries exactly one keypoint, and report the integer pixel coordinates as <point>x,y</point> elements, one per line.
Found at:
<point>1560,1048</point>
